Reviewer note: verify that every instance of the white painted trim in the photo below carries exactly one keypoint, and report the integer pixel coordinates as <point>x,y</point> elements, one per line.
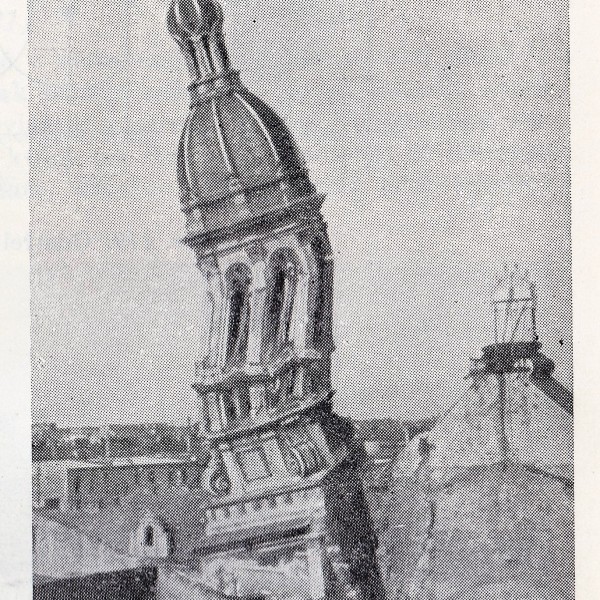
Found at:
<point>261,126</point>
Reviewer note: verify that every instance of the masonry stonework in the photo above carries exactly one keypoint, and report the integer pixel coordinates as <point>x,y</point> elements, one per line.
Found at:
<point>282,472</point>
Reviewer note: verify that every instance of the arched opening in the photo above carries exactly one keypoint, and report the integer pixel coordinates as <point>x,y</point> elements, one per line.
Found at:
<point>278,315</point>
<point>238,314</point>
<point>149,536</point>
<point>244,402</point>
<point>236,404</point>
<point>229,407</point>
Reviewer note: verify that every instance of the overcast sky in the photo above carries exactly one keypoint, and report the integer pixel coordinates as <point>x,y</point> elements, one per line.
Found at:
<point>437,130</point>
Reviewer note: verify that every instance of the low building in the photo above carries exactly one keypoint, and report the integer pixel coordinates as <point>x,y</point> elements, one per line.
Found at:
<point>45,438</point>
<point>68,485</point>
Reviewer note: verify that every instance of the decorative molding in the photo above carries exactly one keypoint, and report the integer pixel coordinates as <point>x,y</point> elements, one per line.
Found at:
<point>304,209</point>
<point>301,454</point>
<point>216,477</point>
<point>253,463</point>
<point>208,265</point>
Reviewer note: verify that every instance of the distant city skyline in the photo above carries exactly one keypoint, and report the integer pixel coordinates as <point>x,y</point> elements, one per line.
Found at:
<point>451,159</point>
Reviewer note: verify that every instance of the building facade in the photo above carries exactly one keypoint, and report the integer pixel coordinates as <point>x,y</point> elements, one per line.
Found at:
<point>282,471</point>
<point>71,485</point>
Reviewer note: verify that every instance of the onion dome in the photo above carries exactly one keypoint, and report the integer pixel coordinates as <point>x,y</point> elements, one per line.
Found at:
<point>197,26</point>
<point>236,158</point>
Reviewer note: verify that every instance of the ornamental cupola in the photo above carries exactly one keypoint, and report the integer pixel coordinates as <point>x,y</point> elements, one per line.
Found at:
<point>281,461</point>
<point>236,158</point>
<point>254,221</point>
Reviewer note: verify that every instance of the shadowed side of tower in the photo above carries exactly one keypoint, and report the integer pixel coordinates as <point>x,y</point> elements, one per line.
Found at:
<point>288,511</point>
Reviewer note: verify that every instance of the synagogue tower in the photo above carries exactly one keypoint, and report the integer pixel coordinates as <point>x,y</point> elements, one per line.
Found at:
<point>283,467</point>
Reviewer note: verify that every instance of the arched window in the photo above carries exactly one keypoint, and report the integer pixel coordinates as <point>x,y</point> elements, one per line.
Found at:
<point>278,315</point>
<point>236,404</point>
<point>238,314</point>
<point>243,402</point>
<point>229,406</point>
<point>149,536</point>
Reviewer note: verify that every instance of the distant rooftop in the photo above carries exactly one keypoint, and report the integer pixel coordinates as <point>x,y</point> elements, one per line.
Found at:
<point>119,461</point>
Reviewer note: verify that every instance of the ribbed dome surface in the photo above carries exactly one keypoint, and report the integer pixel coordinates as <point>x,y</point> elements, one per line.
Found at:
<point>232,143</point>
<point>237,161</point>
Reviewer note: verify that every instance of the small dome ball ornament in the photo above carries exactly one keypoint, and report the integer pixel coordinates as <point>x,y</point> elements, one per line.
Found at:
<point>193,18</point>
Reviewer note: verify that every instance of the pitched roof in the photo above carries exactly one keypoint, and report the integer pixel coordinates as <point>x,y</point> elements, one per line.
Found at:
<point>556,391</point>
<point>183,514</point>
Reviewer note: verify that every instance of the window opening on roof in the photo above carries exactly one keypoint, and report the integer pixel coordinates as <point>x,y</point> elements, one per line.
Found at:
<point>149,536</point>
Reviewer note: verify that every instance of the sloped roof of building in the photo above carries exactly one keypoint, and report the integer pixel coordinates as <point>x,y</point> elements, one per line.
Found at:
<point>556,391</point>
<point>538,430</point>
<point>487,531</point>
<point>118,461</point>
<point>118,585</point>
<point>183,515</point>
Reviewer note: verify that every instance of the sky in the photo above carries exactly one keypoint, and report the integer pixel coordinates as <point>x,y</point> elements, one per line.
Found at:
<point>439,132</point>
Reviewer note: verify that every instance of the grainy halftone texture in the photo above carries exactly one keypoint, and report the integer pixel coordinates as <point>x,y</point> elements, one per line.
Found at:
<point>439,132</point>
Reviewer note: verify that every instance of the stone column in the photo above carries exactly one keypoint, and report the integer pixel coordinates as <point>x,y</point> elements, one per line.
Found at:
<point>302,299</point>
<point>258,291</point>
<point>258,399</point>
<point>316,579</point>
<point>209,266</point>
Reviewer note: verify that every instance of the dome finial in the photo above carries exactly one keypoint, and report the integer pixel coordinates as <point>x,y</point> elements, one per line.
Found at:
<point>197,27</point>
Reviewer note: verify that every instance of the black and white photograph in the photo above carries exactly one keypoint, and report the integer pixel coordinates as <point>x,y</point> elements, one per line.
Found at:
<point>300,306</point>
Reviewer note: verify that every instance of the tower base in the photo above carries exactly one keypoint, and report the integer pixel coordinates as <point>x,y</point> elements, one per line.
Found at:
<point>315,542</point>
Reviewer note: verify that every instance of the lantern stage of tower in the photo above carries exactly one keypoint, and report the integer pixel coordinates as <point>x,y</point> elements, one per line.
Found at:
<point>514,310</point>
<point>282,470</point>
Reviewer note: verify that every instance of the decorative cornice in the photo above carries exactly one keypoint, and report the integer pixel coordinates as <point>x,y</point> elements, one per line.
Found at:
<point>217,378</point>
<point>195,202</point>
<point>305,209</point>
<point>206,89</point>
<point>269,420</point>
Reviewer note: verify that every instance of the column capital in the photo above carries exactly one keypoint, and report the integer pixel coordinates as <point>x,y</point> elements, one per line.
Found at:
<point>208,265</point>
<point>256,252</point>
